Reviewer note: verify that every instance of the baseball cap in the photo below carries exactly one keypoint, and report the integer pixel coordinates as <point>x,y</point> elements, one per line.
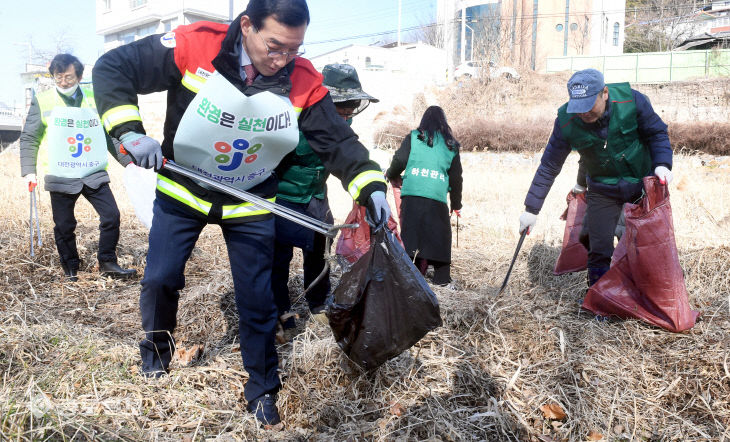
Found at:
<point>583,87</point>
<point>344,84</point>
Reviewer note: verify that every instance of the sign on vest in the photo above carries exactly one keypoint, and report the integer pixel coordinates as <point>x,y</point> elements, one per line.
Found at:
<point>235,139</point>
<point>76,142</point>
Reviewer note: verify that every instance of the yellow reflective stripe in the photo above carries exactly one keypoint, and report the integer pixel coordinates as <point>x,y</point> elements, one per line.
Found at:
<point>192,81</point>
<point>245,209</point>
<point>362,180</point>
<point>180,193</point>
<point>297,110</point>
<point>120,114</point>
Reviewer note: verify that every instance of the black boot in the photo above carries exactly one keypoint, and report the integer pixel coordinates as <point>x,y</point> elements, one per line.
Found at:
<point>70,272</point>
<point>111,268</point>
<point>595,273</point>
<point>264,409</point>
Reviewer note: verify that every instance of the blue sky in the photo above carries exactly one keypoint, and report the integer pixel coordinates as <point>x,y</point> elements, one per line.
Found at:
<point>42,24</point>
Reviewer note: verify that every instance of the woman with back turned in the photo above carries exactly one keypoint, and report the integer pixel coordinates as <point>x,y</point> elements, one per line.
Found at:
<point>429,156</point>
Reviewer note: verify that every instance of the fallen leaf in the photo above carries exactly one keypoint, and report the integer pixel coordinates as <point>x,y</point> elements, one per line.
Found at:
<point>396,409</point>
<point>553,411</point>
<point>594,435</point>
<point>280,337</point>
<point>186,355</point>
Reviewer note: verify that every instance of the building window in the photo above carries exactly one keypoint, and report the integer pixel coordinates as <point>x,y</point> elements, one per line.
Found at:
<point>107,5</point>
<point>146,30</point>
<point>559,27</point>
<point>126,37</point>
<point>170,24</point>
<point>615,34</point>
<point>136,3</point>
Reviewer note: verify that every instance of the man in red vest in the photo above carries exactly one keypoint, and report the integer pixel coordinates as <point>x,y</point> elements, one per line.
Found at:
<point>238,96</point>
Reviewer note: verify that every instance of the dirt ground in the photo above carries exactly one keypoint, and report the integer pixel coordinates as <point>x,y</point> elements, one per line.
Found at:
<point>69,357</point>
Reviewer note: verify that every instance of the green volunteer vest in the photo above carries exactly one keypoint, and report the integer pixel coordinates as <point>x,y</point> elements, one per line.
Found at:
<point>621,155</point>
<point>303,175</point>
<point>427,170</point>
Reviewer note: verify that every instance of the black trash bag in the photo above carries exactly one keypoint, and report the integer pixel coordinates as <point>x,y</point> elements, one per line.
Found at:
<point>382,305</point>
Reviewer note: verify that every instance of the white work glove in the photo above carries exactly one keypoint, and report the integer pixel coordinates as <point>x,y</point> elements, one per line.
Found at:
<point>30,180</point>
<point>664,175</point>
<point>578,189</point>
<point>378,210</point>
<point>527,221</point>
<point>145,151</point>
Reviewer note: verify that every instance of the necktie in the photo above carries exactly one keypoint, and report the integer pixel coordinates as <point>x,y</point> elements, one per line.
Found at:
<point>251,73</point>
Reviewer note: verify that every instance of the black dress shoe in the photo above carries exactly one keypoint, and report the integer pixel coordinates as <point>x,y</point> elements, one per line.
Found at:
<point>71,273</point>
<point>264,409</point>
<point>111,268</point>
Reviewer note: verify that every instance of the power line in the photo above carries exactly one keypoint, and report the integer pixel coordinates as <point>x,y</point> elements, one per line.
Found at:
<point>499,18</point>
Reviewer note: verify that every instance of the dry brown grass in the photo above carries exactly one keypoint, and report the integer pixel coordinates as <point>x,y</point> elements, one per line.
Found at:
<point>68,352</point>
<point>506,116</point>
<point>711,138</point>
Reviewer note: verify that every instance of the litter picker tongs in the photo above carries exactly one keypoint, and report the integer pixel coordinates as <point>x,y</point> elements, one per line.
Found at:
<point>34,216</point>
<point>329,230</point>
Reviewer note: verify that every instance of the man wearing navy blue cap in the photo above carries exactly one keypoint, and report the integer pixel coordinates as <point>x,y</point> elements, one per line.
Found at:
<point>620,140</point>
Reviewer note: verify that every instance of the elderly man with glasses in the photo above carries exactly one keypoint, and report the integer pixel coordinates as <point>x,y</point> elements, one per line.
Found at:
<point>64,119</point>
<point>238,96</point>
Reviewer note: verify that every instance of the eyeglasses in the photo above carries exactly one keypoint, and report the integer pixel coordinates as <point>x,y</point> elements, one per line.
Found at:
<point>349,112</point>
<point>69,78</point>
<point>278,54</point>
<point>345,112</point>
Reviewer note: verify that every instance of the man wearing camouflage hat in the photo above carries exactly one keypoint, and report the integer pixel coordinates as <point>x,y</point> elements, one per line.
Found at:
<point>303,187</point>
<point>620,140</point>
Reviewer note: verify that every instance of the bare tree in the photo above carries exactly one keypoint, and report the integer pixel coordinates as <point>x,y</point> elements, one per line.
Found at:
<point>659,25</point>
<point>428,32</point>
<point>43,53</point>
<point>580,34</point>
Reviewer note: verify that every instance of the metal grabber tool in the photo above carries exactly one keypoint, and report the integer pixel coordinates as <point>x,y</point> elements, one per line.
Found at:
<point>329,230</point>
<point>34,215</point>
<point>514,258</point>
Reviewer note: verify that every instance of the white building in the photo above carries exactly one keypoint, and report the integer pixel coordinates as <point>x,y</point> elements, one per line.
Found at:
<point>712,19</point>
<point>418,59</point>
<point>523,33</point>
<point>393,74</point>
<point>124,21</point>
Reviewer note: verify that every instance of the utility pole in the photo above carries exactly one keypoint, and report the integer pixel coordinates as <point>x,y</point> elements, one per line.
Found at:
<point>399,20</point>
<point>463,34</point>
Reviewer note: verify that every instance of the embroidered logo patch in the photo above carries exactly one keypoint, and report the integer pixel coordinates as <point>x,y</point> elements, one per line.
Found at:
<point>168,40</point>
<point>578,91</point>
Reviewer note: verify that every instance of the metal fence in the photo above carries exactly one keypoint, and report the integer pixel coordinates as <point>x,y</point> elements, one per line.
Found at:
<point>650,67</point>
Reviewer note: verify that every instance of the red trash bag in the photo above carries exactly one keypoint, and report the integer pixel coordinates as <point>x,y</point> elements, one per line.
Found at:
<point>645,280</point>
<point>354,243</point>
<point>573,256</point>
